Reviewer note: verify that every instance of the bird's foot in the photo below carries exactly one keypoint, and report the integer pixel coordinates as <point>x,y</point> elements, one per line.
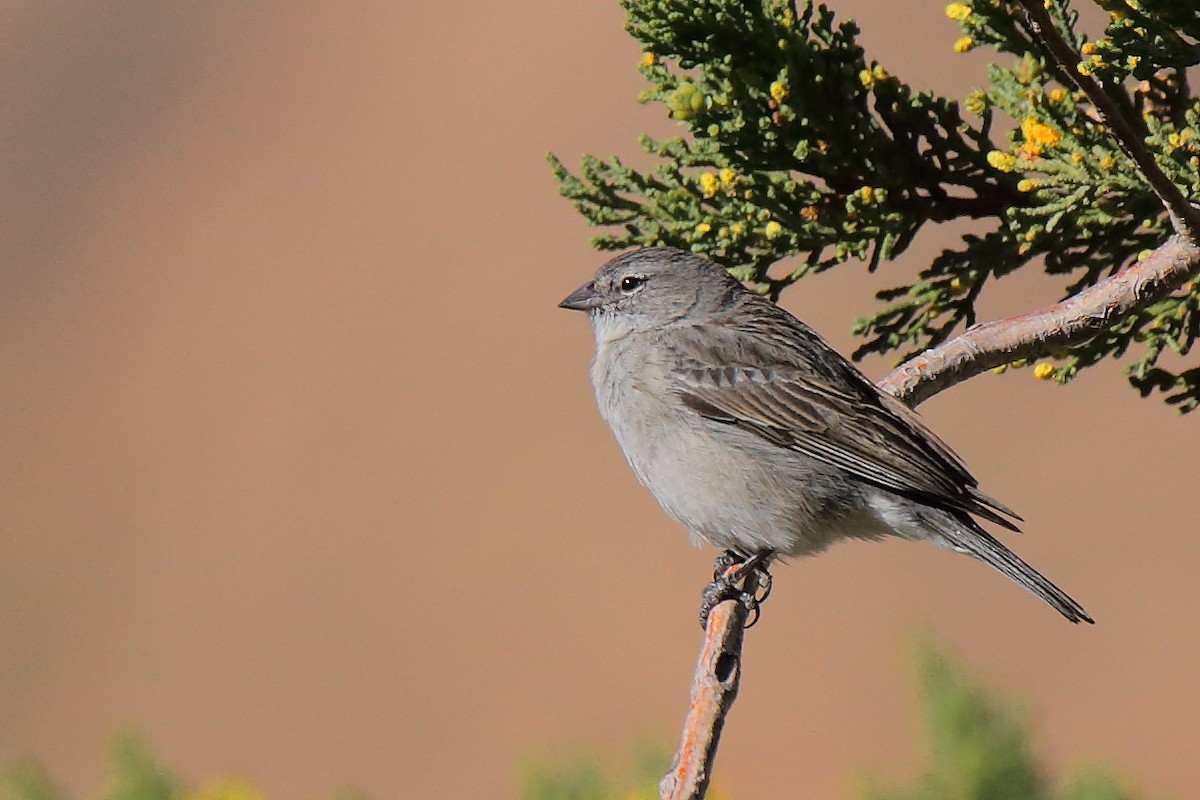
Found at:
<point>731,572</point>
<point>727,559</point>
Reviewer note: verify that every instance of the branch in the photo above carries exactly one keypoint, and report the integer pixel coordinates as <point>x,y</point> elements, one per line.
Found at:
<point>1184,216</point>
<point>1062,325</point>
<point>714,688</point>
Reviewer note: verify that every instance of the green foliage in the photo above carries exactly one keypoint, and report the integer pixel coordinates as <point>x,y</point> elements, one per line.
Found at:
<point>586,779</point>
<point>134,773</point>
<point>979,743</point>
<point>980,747</point>
<point>1146,36</point>
<point>27,780</point>
<point>798,149</point>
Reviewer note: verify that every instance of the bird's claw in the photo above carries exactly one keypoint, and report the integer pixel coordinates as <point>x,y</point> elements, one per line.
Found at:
<point>727,559</point>
<point>728,582</point>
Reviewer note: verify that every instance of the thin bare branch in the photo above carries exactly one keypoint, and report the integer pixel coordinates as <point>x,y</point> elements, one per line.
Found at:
<point>1071,322</point>
<point>1184,216</point>
<point>714,688</point>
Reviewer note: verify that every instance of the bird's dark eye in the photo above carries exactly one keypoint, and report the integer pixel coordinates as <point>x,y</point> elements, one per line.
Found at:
<point>631,282</point>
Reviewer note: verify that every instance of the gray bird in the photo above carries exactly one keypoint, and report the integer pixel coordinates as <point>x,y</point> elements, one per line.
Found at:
<point>759,437</point>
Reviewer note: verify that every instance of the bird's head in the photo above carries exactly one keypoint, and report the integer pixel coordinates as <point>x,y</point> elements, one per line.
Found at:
<point>649,288</point>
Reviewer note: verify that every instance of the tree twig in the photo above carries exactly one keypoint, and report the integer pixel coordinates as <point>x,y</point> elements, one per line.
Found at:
<point>714,688</point>
<point>1062,325</point>
<point>1184,216</point>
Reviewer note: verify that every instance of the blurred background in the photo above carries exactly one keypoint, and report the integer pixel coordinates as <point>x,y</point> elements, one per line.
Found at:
<point>302,475</point>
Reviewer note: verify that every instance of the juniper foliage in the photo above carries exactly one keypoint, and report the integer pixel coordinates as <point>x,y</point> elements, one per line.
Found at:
<point>800,153</point>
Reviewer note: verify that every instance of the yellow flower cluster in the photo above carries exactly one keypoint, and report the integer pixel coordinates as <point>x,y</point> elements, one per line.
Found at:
<point>964,44</point>
<point>1038,136</point>
<point>1044,371</point>
<point>869,77</point>
<point>779,91</point>
<point>958,11</point>
<point>711,183</point>
<point>773,229</point>
<point>648,60</point>
<point>1001,161</point>
<point>1177,140</point>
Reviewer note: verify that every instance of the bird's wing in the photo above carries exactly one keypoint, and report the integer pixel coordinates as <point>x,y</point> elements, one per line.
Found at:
<point>782,382</point>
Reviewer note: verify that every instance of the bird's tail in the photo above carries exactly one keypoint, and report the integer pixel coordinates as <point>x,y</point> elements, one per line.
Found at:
<point>970,538</point>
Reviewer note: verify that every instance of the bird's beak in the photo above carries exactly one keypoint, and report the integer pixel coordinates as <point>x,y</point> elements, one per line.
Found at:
<point>584,298</point>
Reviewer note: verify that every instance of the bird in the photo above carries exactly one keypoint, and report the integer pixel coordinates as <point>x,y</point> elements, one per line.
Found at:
<point>760,438</point>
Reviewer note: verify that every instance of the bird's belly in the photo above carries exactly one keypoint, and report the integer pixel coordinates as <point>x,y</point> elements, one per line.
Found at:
<point>745,497</point>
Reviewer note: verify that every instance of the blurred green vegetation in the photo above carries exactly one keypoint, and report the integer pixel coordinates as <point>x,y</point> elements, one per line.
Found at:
<point>980,747</point>
<point>133,773</point>
<point>589,779</point>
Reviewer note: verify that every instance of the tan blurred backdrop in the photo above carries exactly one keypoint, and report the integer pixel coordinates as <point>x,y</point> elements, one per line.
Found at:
<point>301,472</point>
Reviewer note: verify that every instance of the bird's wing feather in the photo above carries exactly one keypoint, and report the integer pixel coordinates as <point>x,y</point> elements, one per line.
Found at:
<point>769,386</point>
